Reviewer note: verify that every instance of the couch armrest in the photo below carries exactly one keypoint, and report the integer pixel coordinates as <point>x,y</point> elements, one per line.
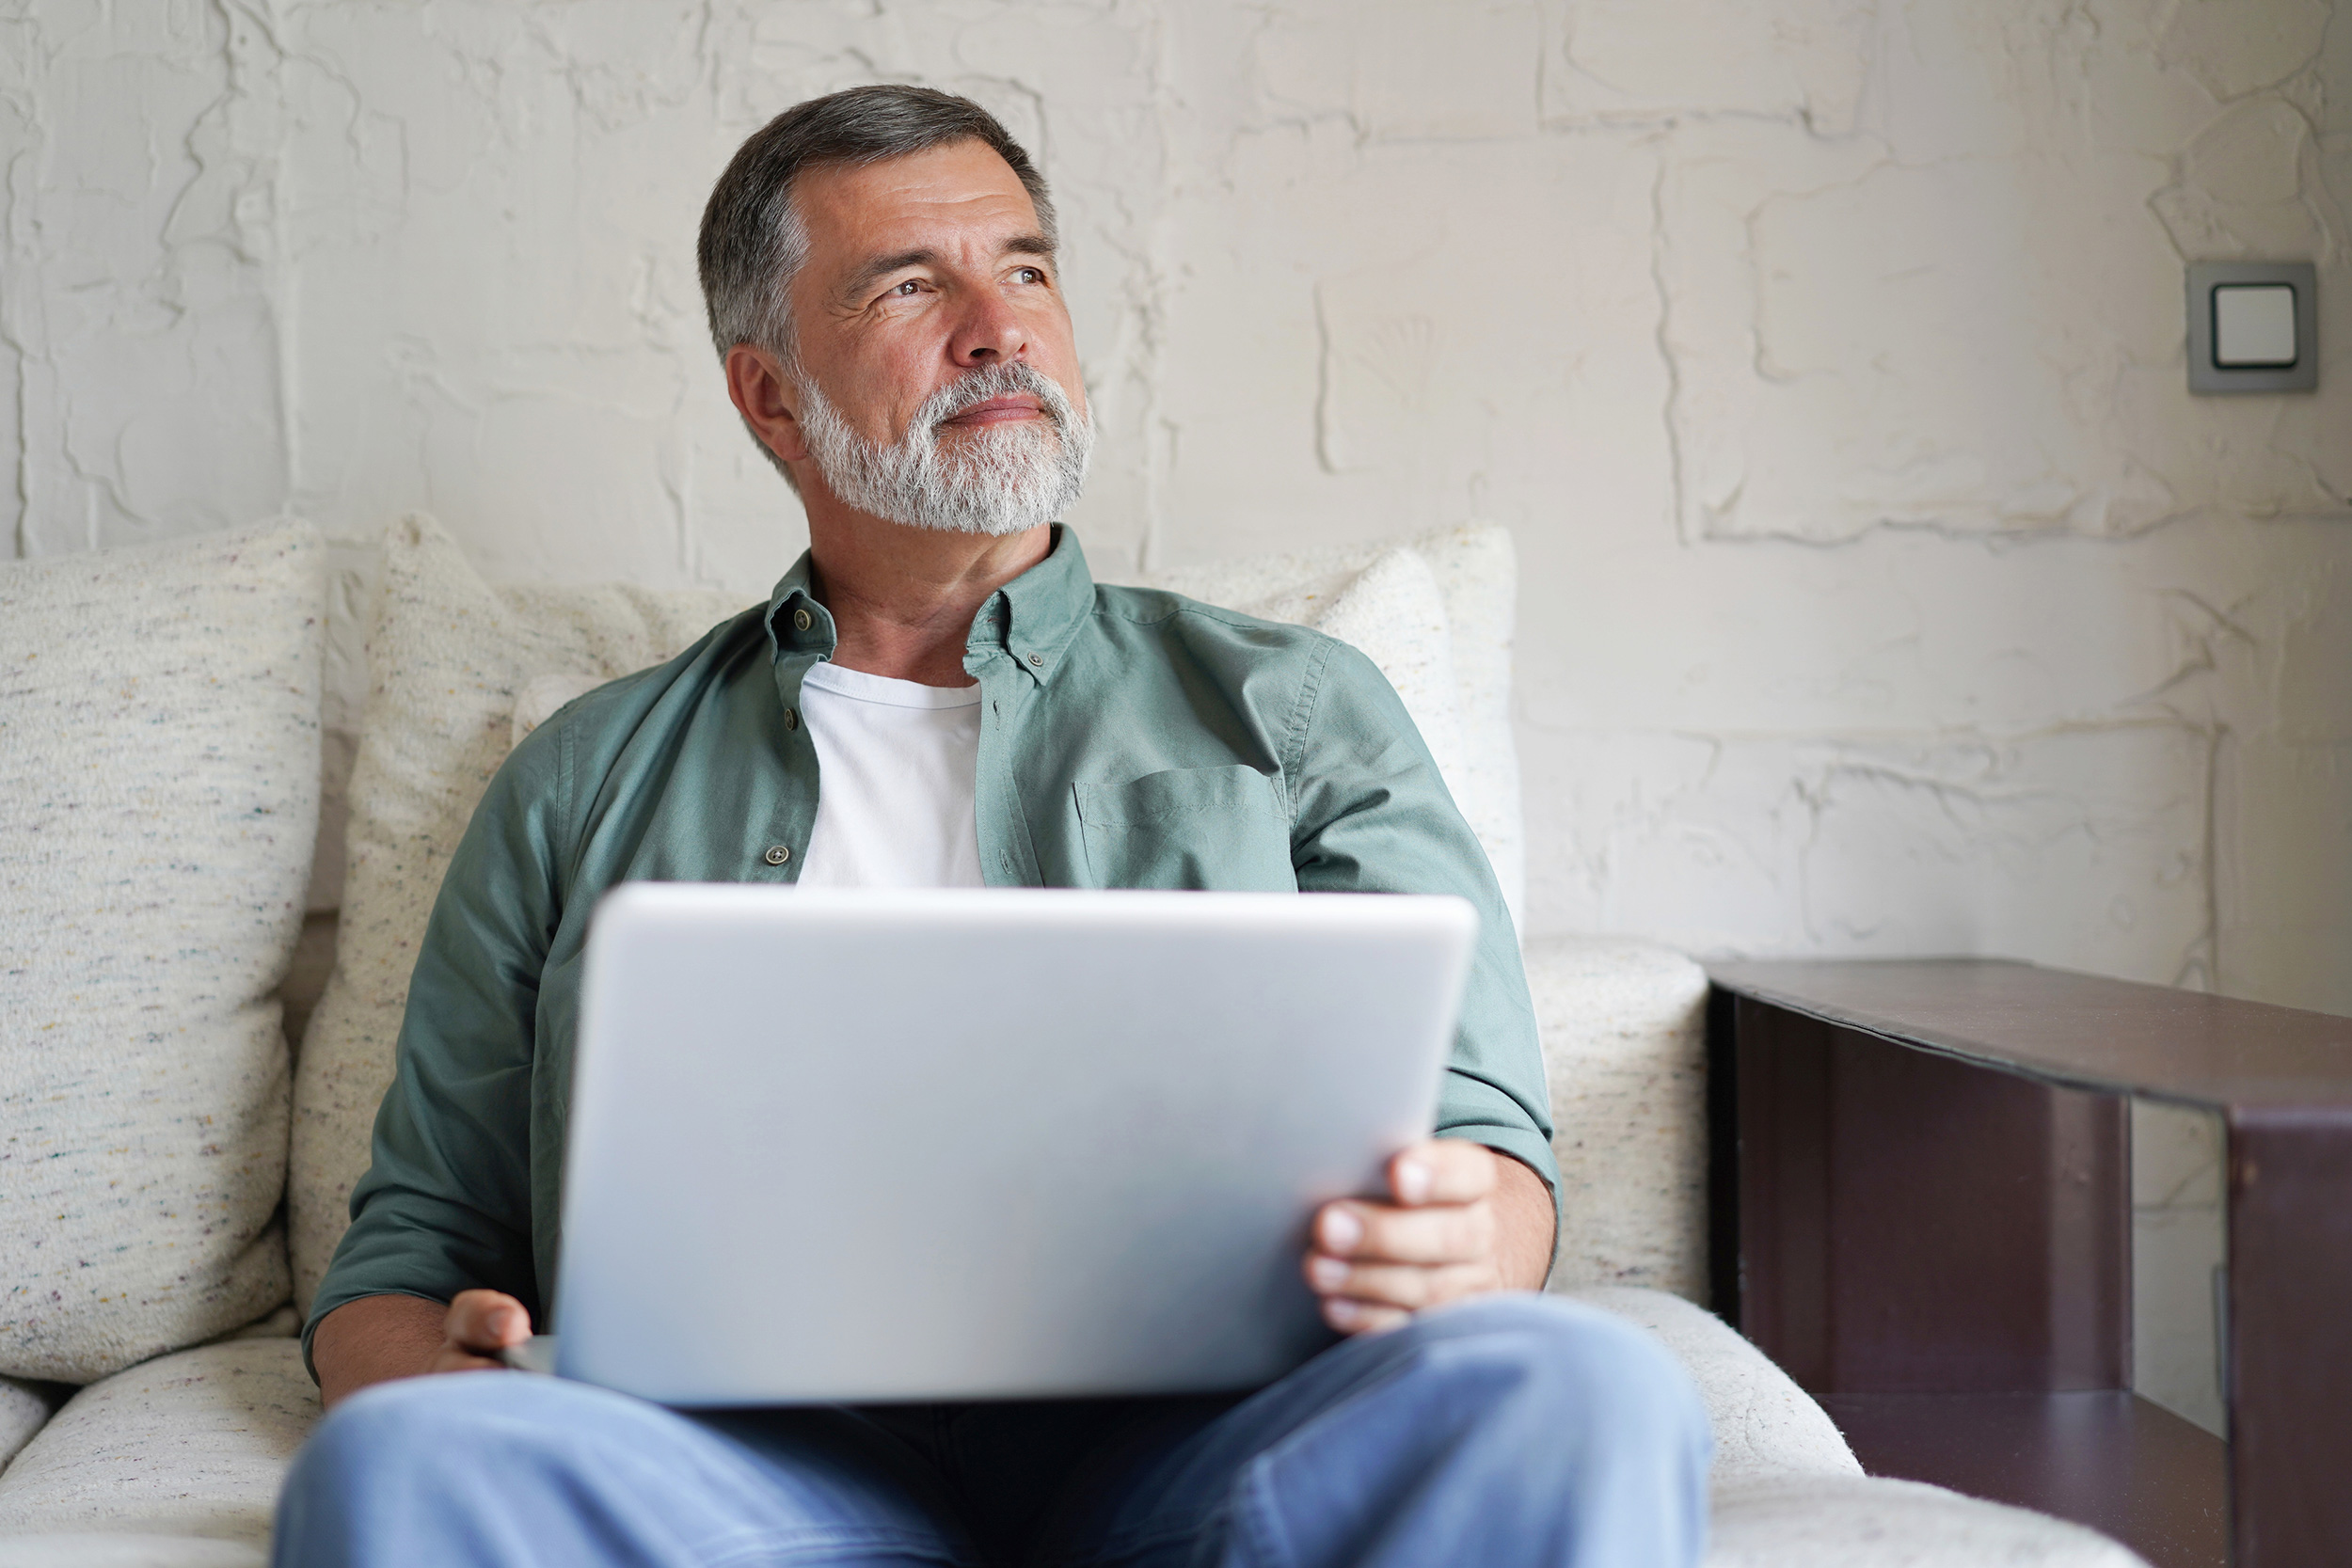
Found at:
<point>1624,1027</point>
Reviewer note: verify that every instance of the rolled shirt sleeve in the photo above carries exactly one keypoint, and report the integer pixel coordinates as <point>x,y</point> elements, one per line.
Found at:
<point>445,1205</point>
<point>1371,814</point>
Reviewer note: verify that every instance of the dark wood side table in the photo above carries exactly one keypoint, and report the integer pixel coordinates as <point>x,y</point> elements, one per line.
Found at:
<point>1921,1201</point>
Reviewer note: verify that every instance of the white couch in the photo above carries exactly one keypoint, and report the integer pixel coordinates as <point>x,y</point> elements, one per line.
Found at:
<point>174,1460</point>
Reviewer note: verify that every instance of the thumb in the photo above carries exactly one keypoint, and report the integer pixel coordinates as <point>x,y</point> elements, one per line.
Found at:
<point>486,1321</point>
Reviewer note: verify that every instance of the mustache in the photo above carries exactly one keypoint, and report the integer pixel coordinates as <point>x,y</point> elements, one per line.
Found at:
<point>974,387</point>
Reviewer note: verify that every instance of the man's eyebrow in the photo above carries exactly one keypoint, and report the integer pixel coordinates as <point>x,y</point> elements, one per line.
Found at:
<point>881,267</point>
<point>1034,243</point>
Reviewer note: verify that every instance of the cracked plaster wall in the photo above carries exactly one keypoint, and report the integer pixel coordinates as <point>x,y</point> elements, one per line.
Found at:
<point>1884,591</point>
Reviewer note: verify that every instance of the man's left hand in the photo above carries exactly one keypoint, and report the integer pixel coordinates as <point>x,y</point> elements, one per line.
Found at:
<point>1463,1221</point>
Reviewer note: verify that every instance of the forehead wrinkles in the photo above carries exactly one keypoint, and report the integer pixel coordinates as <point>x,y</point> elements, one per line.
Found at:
<point>958,200</point>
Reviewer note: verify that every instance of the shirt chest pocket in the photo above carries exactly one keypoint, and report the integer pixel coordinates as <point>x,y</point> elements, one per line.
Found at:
<point>1223,828</point>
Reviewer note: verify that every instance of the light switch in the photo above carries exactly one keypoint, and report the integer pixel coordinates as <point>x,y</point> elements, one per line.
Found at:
<point>2254,326</point>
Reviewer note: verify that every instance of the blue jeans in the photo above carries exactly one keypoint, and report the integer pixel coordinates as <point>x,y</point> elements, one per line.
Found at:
<point>1511,1429</point>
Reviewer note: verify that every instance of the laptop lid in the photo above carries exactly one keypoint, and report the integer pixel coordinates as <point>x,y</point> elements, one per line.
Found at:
<point>864,1144</point>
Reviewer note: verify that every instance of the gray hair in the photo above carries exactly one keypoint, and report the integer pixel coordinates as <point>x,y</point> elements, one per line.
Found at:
<point>753,240</point>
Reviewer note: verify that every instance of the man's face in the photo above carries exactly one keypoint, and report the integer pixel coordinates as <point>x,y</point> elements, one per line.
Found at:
<point>921,270</point>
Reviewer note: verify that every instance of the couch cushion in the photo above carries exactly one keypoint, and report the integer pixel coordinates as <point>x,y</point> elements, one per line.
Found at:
<point>1815,1521</point>
<point>127,1551</point>
<point>1476,575</point>
<point>159,763</point>
<point>446,656</point>
<point>1624,1026</point>
<point>183,1457</point>
<point>1765,1426</point>
<point>24,1408</point>
<point>191,1445</point>
<point>1789,1493</point>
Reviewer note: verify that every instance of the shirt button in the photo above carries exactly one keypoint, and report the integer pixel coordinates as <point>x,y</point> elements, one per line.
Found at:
<point>800,620</point>
<point>777,854</point>
<point>791,720</point>
<point>1036,658</point>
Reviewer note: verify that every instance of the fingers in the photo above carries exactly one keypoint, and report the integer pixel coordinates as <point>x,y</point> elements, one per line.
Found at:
<point>1375,1232</point>
<point>1363,1317</point>
<point>1442,1170</point>
<point>1406,1285</point>
<point>485,1323</point>
<point>1376,1264</point>
<point>453,1360</point>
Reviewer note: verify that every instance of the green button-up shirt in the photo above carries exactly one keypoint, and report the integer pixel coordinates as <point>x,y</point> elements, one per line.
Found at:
<point>1129,738</point>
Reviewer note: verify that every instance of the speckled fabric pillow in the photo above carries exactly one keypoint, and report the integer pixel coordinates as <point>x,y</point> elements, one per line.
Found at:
<point>1475,573</point>
<point>159,767</point>
<point>447,657</point>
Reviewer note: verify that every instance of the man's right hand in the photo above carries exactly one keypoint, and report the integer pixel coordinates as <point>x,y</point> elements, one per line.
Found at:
<point>478,1326</point>
<point>377,1338</point>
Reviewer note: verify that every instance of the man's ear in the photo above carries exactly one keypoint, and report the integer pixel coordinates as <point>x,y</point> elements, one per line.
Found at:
<point>768,399</point>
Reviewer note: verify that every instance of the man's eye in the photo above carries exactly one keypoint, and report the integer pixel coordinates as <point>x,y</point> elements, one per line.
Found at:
<point>1029,275</point>
<point>908,288</point>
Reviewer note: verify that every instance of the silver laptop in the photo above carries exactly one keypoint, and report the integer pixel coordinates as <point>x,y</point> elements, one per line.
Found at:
<point>869,1145</point>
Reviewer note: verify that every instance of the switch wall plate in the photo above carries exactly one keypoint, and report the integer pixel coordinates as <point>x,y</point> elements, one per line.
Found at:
<point>2253,326</point>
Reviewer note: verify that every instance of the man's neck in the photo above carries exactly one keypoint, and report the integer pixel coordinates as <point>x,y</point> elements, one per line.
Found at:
<point>902,598</point>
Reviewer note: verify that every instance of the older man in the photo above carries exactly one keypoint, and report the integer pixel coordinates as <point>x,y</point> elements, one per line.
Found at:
<point>882,272</point>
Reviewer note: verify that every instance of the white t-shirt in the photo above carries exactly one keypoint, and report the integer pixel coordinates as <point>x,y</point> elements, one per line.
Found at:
<point>895,764</point>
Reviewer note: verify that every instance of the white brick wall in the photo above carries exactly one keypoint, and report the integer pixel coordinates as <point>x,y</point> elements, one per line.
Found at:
<point>1885,590</point>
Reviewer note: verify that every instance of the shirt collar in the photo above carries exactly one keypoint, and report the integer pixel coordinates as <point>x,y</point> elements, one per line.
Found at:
<point>1032,617</point>
<point>797,624</point>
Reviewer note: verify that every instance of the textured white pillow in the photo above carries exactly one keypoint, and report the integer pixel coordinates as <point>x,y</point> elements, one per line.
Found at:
<point>1369,605</point>
<point>159,764</point>
<point>447,657</point>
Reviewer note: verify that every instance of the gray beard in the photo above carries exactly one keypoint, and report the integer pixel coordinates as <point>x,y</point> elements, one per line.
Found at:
<point>998,480</point>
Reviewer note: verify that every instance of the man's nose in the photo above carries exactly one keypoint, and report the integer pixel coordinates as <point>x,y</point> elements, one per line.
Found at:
<point>990,333</point>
